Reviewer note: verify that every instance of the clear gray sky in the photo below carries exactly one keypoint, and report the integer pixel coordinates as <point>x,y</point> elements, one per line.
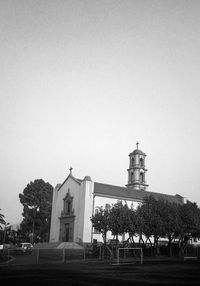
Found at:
<point>82,81</point>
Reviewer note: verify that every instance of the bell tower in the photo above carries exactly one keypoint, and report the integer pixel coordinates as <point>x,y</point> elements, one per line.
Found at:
<point>137,170</point>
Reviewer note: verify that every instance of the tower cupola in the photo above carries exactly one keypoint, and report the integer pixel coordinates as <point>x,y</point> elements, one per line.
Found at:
<point>137,170</point>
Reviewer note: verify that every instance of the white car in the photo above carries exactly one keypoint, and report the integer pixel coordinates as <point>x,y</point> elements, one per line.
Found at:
<point>26,247</point>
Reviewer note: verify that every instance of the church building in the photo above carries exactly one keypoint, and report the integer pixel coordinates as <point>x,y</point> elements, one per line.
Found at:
<point>76,200</point>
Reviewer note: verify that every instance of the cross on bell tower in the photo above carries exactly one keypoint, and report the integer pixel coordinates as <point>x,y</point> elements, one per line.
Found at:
<point>137,170</point>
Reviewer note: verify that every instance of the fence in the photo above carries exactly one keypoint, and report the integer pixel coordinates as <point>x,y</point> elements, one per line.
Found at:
<point>55,255</point>
<point>42,256</point>
<point>129,255</point>
<point>192,251</point>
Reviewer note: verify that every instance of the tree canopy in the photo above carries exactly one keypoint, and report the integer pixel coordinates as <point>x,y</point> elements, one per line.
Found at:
<point>100,221</point>
<point>152,219</point>
<point>37,202</point>
<point>2,221</point>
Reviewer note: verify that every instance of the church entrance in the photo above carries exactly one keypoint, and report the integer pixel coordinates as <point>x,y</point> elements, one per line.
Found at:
<point>67,229</point>
<point>68,232</point>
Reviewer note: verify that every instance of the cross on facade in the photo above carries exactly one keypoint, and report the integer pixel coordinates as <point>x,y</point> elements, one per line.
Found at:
<point>70,170</point>
<point>137,144</point>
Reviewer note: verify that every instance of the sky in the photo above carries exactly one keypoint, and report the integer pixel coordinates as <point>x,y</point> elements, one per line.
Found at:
<point>82,81</point>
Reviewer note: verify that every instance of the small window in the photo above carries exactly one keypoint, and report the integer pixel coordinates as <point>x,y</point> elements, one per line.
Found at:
<point>132,177</point>
<point>141,177</point>
<point>68,207</point>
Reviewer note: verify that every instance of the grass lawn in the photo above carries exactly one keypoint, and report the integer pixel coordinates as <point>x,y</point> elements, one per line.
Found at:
<point>100,273</point>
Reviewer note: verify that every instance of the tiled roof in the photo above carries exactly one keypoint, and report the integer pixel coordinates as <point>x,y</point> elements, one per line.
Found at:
<point>124,193</point>
<point>128,193</point>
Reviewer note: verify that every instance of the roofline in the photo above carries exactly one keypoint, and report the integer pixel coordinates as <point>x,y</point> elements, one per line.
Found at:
<point>69,176</point>
<point>117,197</point>
<point>125,188</point>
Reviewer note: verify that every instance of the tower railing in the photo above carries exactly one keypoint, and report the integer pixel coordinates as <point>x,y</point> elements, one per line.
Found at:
<point>137,166</point>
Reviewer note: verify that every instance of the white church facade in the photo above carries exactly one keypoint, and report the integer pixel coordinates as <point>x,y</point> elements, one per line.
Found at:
<point>76,200</point>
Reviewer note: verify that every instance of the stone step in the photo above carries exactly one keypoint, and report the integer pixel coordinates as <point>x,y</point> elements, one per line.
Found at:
<point>47,245</point>
<point>70,245</point>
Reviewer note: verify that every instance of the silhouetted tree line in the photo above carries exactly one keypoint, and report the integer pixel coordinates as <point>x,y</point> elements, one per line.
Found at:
<point>153,219</point>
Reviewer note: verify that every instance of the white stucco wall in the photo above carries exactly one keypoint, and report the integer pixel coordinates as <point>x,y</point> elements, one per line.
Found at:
<point>87,189</point>
<point>75,192</point>
<point>53,215</point>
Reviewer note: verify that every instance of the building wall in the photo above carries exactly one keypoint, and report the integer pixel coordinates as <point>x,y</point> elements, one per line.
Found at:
<point>87,189</point>
<point>54,219</point>
<point>84,205</point>
<point>85,202</point>
<point>78,205</point>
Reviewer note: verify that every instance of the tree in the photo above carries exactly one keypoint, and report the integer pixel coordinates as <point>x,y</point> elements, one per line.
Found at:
<point>171,221</point>
<point>122,220</point>
<point>151,222</point>
<point>134,225</point>
<point>117,223</point>
<point>189,220</point>
<point>37,202</point>
<point>160,218</point>
<point>2,221</point>
<point>100,222</point>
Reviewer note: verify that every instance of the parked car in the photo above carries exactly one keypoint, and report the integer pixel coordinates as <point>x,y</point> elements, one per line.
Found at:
<point>6,246</point>
<point>25,247</point>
